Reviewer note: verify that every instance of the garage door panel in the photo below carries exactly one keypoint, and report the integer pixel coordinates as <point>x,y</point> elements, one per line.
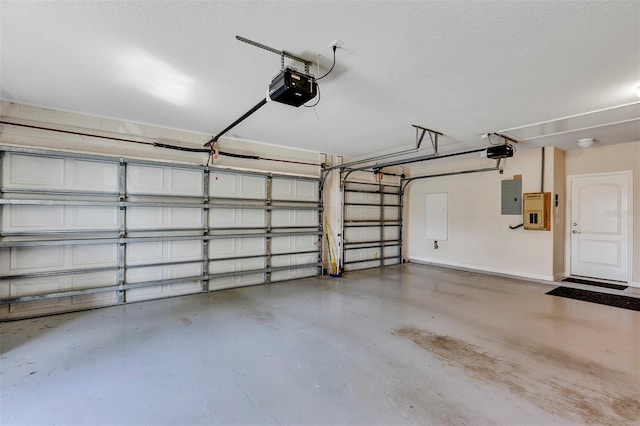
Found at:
<point>94,300</point>
<point>252,187</point>
<point>182,218</point>
<point>361,197</point>
<point>391,233</point>
<point>92,217</point>
<point>285,218</point>
<point>236,281</point>
<point>27,218</point>
<point>45,285</point>
<point>163,251</point>
<point>295,190</point>
<point>163,272</point>
<point>94,255</point>
<point>145,180</point>
<point>293,243</point>
<point>362,254</point>
<point>163,218</point>
<point>39,307</point>
<point>228,185</point>
<point>184,182</point>
<point>157,292</point>
<point>183,250</point>
<point>362,234</point>
<point>363,213</point>
<point>91,176</point>
<point>391,199</point>
<point>35,259</point>
<point>223,184</point>
<point>154,273</point>
<point>25,260</point>
<point>391,213</point>
<point>294,274</point>
<point>236,218</point>
<point>237,265</point>
<point>230,247</point>
<point>45,173</point>
<point>393,253</point>
<point>144,217</point>
<point>35,286</point>
<point>159,180</point>
<point>140,275</point>
<point>139,253</point>
<point>30,171</point>
<point>299,259</point>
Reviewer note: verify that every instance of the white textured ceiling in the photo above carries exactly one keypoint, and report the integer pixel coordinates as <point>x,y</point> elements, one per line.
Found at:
<point>462,68</point>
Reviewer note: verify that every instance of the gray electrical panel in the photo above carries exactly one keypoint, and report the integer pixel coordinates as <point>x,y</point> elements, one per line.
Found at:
<point>512,196</point>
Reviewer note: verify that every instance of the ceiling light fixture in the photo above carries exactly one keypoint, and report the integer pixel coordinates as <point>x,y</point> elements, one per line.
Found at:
<point>586,142</point>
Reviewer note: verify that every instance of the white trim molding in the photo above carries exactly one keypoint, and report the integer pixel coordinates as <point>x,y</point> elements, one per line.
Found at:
<point>493,271</point>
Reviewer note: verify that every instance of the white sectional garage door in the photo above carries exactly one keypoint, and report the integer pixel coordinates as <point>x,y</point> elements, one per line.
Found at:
<point>372,225</point>
<point>81,231</point>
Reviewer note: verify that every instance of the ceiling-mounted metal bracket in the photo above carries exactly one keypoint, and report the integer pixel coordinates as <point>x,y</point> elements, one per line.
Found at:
<point>433,135</point>
<point>506,138</point>
<point>282,53</point>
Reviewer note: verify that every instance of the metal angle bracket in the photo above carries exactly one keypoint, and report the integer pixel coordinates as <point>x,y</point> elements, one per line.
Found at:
<point>433,135</point>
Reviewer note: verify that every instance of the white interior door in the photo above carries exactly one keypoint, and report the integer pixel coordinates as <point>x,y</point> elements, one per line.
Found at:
<point>600,226</point>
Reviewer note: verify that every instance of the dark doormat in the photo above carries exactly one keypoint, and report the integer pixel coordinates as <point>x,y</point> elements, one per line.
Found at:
<point>595,283</point>
<point>624,302</point>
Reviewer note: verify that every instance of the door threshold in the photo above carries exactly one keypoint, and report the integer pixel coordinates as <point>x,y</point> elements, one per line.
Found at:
<point>615,285</point>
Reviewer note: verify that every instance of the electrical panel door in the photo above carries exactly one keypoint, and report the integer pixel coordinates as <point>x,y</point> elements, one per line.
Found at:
<point>536,211</point>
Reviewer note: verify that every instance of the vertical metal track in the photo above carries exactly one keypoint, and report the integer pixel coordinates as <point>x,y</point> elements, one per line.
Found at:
<point>321,227</point>
<point>267,275</point>
<point>205,229</point>
<point>343,216</point>
<point>381,218</point>
<point>401,219</point>
<point>122,230</point>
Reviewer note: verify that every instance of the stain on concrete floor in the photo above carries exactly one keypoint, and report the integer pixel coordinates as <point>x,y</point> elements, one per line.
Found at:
<point>574,402</point>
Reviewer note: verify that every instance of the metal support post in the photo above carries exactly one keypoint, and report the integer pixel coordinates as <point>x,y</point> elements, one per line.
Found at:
<point>122,230</point>
<point>205,229</point>
<point>381,218</point>
<point>267,274</point>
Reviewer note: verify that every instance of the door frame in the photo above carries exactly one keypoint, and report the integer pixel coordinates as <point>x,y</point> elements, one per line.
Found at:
<point>568,203</point>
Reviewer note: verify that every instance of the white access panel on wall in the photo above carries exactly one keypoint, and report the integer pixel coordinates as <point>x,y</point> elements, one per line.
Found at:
<point>80,231</point>
<point>436,221</point>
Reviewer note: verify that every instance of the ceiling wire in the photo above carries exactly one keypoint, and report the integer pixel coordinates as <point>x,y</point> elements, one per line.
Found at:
<point>323,76</point>
<point>333,65</point>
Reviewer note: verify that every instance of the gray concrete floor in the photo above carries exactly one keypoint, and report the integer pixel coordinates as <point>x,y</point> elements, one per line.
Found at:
<point>407,344</point>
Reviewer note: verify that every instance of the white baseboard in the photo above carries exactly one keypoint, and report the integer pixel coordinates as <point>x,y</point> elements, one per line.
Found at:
<point>494,271</point>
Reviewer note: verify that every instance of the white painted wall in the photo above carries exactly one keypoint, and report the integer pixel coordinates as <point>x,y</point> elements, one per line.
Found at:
<point>607,159</point>
<point>478,235</point>
<point>43,117</point>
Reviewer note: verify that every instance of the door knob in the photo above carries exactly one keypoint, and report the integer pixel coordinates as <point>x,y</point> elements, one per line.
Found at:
<point>576,232</point>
